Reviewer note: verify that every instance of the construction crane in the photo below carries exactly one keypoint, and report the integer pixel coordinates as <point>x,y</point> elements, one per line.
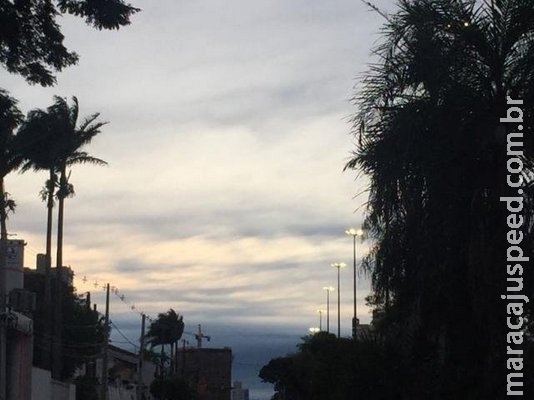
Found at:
<point>199,336</point>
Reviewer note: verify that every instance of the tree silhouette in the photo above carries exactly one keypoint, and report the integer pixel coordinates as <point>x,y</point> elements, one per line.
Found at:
<point>31,42</point>
<point>167,329</point>
<point>10,118</point>
<point>328,368</point>
<point>172,388</point>
<point>432,144</point>
<point>82,328</point>
<point>50,140</point>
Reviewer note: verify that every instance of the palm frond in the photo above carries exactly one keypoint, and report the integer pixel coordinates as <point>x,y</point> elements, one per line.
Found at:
<point>84,158</point>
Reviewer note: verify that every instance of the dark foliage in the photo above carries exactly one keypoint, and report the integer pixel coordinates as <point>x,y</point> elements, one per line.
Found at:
<point>31,42</point>
<point>82,329</point>
<point>431,142</point>
<point>10,159</point>
<point>86,388</point>
<point>53,138</point>
<point>172,388</point>
<point>328,368</point>
<point>166,329</point>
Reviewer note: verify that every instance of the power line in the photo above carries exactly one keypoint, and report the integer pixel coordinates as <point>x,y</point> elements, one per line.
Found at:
<point>116,291</point>
<point>123,335</point>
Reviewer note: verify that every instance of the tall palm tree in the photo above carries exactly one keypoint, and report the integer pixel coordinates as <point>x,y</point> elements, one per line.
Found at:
<point>10,118</point>
<point>432,144</point>
<point>52,140</point>
<point>71,154</point>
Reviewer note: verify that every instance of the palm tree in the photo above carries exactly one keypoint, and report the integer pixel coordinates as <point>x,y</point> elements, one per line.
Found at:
<point>51,140</point>
<point>432,144</point>
<point>71,154</point>
<point>10,118</point>
<point>167,329</point>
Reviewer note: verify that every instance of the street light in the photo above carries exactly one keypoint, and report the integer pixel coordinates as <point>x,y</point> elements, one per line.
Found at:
<point>320,312</point>
<point>338,266</point>
<point>354,233</point>
<point>313,330</point>
<point>328,290</point>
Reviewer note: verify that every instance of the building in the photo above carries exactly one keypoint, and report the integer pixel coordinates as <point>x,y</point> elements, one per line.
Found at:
<point>66,273</point>
<point>123,367</point>
<point>209,370</point>
<point>16,325</point>
<point>18,378</point>
<point>238,393</point>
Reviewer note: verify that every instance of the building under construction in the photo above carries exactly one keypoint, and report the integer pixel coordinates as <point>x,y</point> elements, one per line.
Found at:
<point>209,370</point>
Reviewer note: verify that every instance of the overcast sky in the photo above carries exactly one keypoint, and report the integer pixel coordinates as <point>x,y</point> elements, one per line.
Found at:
<point>224,197</point>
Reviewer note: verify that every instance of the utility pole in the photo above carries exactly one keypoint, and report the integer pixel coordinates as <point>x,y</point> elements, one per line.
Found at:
<point>140,384</point>
<point>183,357</point>
<point>57,321</point>
<point>3,345</point>
<point>3,321</point>
<point>104,375</point>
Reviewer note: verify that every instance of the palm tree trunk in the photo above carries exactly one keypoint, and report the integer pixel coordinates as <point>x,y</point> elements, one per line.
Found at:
<point>60,215</point>
<point>3,329</point>
<point>172,358</point>
<point>49,327</point>
<point>3,212</point>
<point>58,305</point>
<point>50,206</point>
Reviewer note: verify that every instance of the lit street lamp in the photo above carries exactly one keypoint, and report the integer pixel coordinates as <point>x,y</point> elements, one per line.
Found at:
<point>354,233</point>
<point>313,330</point>
<point>328,290</point>
<point>338,266</point>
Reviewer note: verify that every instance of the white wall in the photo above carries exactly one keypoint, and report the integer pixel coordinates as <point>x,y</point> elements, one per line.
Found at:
<point>44,388</point>
<point>62,391</point>
<point>41,388</point>
<point>120,393</point>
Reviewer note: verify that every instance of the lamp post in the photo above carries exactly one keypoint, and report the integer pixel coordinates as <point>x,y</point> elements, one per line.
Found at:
<point>320,312</point>
<point>338,266</point>
<point>354,233</point>
<point>313,330</point>
<point>328,290</point>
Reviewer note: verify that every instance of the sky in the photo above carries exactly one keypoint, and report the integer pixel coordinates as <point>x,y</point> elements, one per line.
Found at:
<point>225,197</point>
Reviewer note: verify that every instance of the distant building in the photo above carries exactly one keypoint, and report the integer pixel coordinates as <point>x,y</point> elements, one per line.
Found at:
<point>210,371</point>
<point>238,393</point>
